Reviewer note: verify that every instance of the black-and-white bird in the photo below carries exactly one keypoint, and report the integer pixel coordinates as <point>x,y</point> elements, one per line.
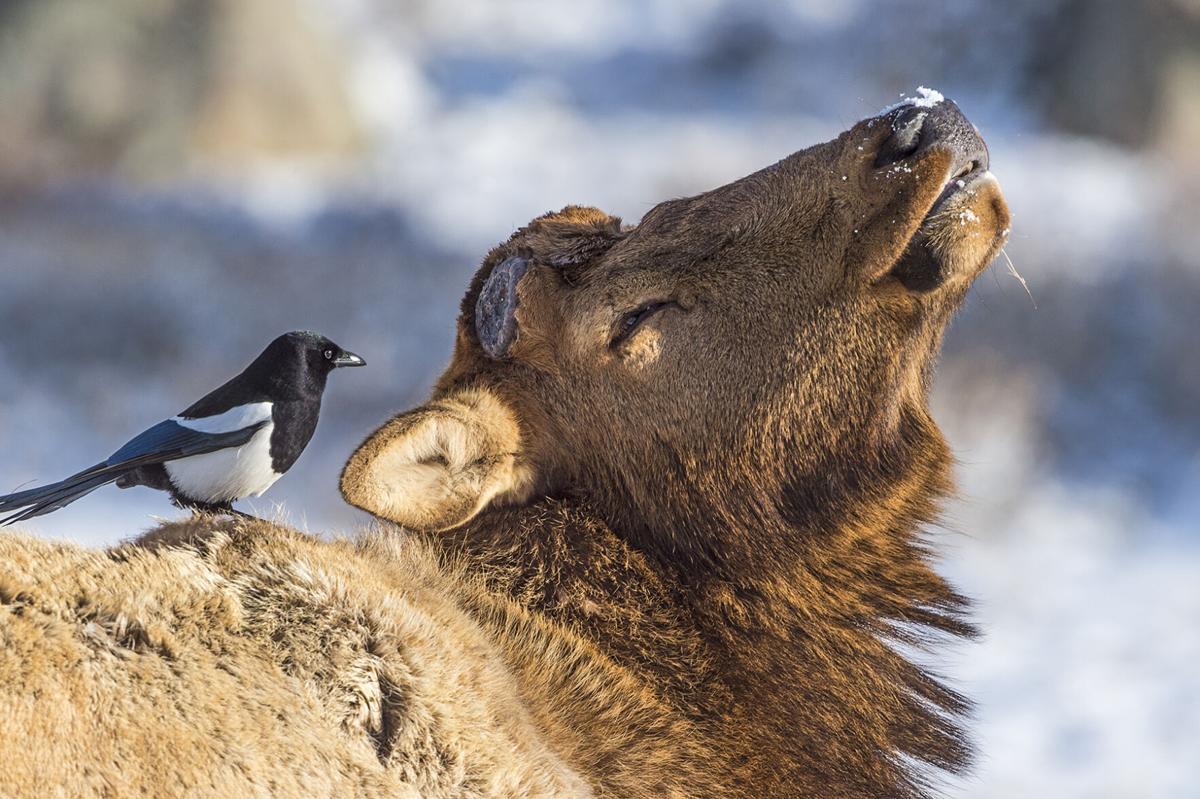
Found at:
<point>234,443</point>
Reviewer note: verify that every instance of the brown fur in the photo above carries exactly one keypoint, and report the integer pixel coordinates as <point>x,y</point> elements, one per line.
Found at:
<point>675,565</point>
<point>214,658</point>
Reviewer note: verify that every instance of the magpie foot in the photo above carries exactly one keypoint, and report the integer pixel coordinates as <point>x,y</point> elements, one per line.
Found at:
<point>214,508</point>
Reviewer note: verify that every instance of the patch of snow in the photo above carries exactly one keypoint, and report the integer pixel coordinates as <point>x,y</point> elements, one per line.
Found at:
<point>1083,674</point>
<point>926,98</point>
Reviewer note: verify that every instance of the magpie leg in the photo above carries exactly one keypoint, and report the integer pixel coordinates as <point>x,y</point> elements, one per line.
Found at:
<point>215,508</point>
<point>223,509</point>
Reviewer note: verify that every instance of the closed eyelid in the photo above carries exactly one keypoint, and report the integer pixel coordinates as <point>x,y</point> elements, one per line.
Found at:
<point>630,321</point>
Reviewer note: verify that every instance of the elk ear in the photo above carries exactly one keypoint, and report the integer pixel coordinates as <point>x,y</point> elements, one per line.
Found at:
<point>496,307</point>
<point>566,240</point>
<point>438,466</point>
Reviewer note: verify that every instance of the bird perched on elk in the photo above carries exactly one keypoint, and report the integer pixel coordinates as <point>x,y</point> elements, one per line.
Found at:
<point>234,442</point>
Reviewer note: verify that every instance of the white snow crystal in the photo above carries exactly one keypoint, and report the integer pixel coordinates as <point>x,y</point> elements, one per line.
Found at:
<point>926,98</point>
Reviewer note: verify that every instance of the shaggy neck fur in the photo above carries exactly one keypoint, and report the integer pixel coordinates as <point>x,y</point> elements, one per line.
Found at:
<point>784,653</point>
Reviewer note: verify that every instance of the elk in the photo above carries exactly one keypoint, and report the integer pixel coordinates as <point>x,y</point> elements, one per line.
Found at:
<point>658,531</point>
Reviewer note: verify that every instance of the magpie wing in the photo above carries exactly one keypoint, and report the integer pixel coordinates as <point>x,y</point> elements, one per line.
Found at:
<point>169,441</point>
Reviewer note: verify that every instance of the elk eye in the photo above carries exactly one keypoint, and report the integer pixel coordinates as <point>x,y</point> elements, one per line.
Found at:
<point>630,321</point>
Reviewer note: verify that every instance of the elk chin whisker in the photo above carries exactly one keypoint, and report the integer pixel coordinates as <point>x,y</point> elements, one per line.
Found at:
<point>1012,270</point>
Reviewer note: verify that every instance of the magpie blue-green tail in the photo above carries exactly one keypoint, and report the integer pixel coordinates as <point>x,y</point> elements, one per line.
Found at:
<point>44,499</point>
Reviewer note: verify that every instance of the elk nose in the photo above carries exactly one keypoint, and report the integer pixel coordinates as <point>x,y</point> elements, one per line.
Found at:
<point>918,127</point>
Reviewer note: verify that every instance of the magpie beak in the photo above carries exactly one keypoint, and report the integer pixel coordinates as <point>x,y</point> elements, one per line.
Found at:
<point>345,358</point>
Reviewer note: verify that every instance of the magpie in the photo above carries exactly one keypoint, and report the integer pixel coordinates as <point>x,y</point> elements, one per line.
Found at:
<point>233,443</point>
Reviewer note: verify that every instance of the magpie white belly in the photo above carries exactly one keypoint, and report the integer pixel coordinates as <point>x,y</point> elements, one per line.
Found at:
<point>228,474</point>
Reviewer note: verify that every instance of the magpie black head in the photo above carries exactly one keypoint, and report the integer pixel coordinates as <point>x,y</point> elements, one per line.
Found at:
<point>299,363</point>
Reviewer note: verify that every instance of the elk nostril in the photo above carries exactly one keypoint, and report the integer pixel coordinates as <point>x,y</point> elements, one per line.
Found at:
<point>905,139</point>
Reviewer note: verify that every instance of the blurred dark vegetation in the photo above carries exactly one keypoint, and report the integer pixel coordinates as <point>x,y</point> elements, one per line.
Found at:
<point>154,89</point>
<point>150,89</point>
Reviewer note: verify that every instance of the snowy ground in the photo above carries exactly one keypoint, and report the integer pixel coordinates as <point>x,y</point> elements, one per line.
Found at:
<point>1075,420</point>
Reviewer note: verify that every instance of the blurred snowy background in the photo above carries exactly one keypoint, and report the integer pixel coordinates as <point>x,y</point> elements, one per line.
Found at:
<point>181,180</point>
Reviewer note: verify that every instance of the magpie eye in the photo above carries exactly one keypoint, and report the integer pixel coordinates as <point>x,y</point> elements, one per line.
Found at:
<point>633,319</point>
<point>329,355</point>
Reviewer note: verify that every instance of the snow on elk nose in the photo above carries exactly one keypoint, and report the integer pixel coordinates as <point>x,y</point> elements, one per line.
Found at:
<point>932,122</point>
